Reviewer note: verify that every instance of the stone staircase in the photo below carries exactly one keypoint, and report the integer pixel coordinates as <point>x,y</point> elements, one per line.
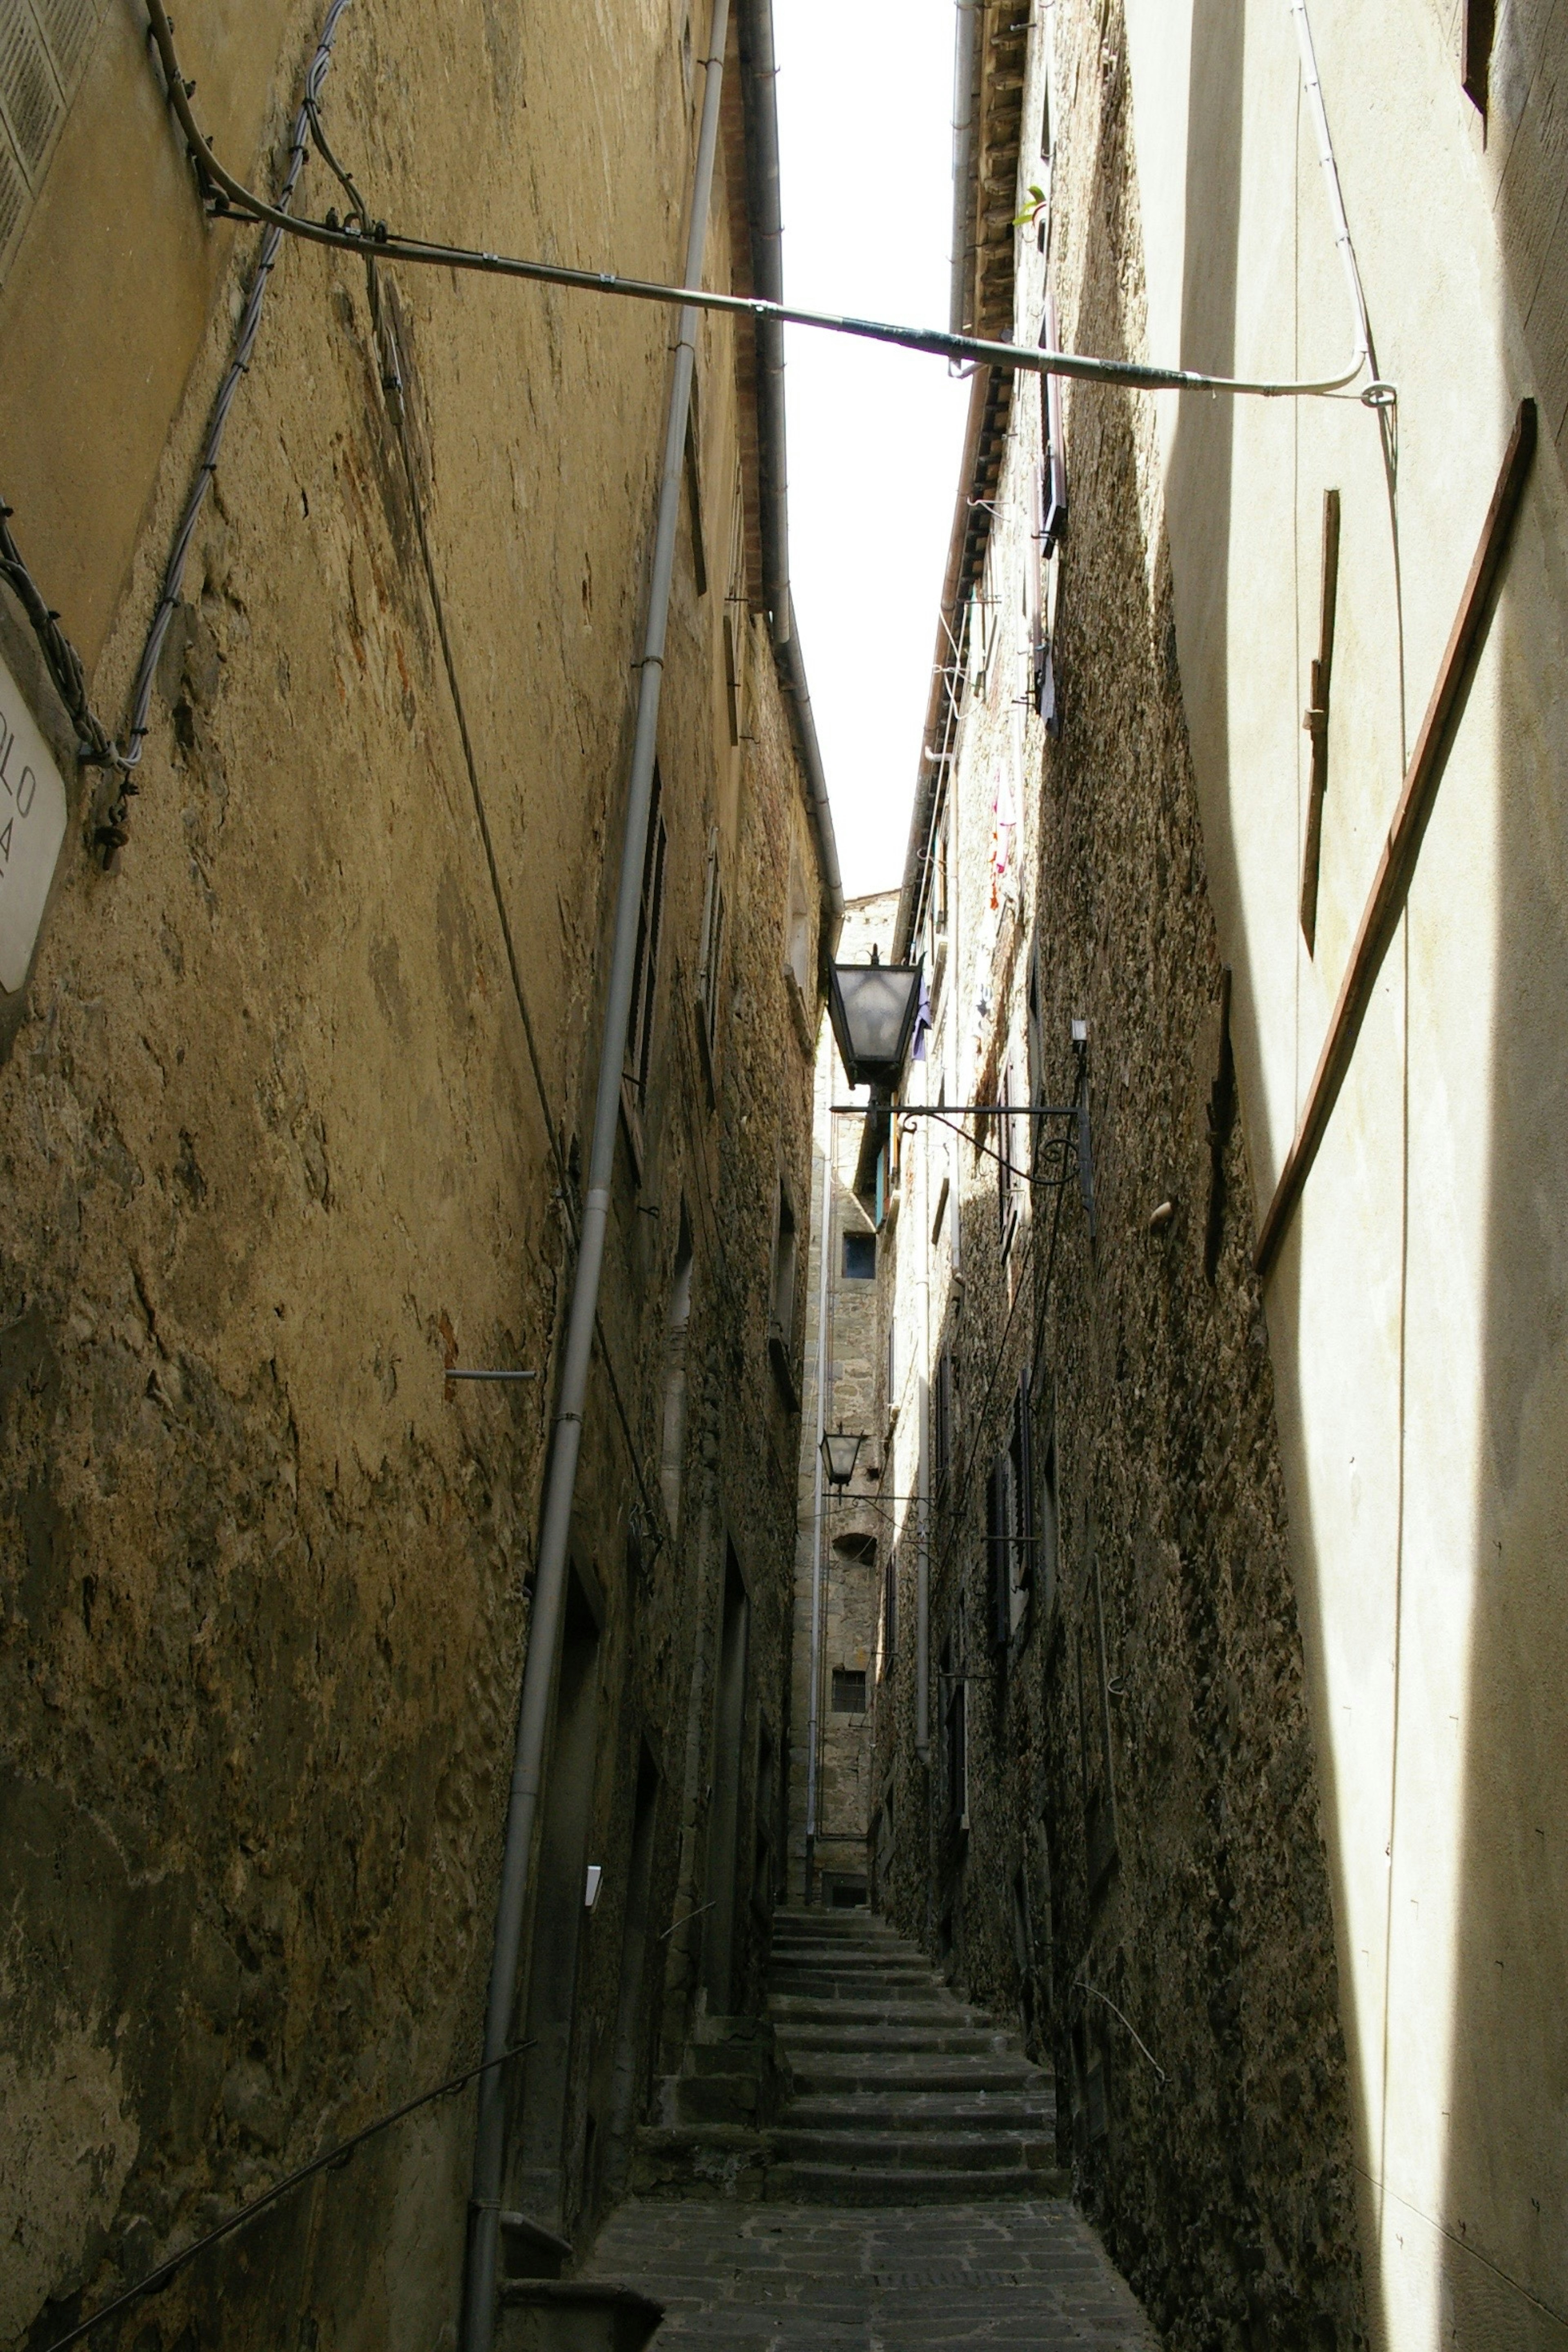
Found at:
<point>868,2084</point>
<point>899,2094</point>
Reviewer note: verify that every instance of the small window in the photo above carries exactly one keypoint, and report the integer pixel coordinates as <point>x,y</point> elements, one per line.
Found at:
<point>1008,1187</point>
<point>859,1257</point>
<point>890,1611</point>
<point>1476,32</point>
<point>785,1253</point>
<point>957,1750</point>
<point>848,1690</point>
<point>942,1422</point>
<point>713,953</point>
<point>1010,1527</point>
<point>797,933</point>
<point>694,494</point>
<point>645,972</point>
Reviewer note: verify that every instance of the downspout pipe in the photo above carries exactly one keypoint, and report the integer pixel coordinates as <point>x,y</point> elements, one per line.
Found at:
<point>549,1580</point>
<point>965,44</point>
<point>758,71</point>
<point>813,1704</point>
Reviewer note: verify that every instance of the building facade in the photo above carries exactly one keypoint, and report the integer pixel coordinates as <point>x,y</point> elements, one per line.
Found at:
<point>845,1528</point>
<point>298,1078</point>
<point>1220,1728</point>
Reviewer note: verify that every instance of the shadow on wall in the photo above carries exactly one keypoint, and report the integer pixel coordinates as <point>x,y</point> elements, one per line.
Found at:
<point>1199,500</point>
<point>1508,2063</point>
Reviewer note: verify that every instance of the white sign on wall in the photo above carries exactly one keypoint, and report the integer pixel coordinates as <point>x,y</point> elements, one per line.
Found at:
<point>32,827</point>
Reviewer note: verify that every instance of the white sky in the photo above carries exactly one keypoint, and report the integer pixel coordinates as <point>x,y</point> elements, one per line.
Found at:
<point>865,97</point>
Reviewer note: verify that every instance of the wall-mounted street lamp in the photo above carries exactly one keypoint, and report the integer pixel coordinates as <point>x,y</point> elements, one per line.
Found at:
<point>872,1007</point>
<point>839,1449</point>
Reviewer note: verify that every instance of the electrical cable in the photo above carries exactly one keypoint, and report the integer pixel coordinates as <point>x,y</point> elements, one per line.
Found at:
<point>113,833</point>
<point>391,385</point>
<point>95,747</point>
<point>227,195</point>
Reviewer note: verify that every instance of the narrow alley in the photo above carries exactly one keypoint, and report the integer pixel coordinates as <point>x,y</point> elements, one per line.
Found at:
<point>908,2192</point>
<point>783,1237</point>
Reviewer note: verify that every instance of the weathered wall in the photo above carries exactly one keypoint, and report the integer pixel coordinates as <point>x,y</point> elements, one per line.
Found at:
<point>1133,1856</point>
<point>1417,1315</point>
<point>278,1147</point>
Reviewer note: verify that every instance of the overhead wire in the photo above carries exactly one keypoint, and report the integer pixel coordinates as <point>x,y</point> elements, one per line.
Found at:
<point>227,194</point>
<point>113,833</point>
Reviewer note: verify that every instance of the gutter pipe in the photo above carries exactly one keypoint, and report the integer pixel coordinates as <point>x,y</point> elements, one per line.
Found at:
<point>758,72</point>
<point>965,45</point>
<point>550,1581</point>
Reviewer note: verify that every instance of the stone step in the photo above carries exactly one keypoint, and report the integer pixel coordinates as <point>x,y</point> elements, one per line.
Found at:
<point>850,2185</point>
<point>552,2314</point>
<point>851,1969</point>
<point>951,2151</point>
<point>793,2009</point>
<point>828,2073</point>
<point>947,2040</point>
<point>1022,2110</point>
<point>835,1927</point>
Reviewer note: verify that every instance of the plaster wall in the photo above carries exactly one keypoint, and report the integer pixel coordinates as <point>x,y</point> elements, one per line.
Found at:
<point>1416,1316</point>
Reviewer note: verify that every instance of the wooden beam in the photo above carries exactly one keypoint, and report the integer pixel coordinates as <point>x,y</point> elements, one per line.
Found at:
<point>1397,866</point>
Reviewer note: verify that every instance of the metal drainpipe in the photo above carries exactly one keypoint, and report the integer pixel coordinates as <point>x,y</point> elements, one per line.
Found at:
<point>962,145</point>
<point>813,1703</point>
<point>549,1582</point>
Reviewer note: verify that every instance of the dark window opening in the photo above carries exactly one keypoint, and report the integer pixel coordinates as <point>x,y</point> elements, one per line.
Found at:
<point>859,1257</point>
<point>957,1751</point>
<point>645,972</point>
<point>848,1690</point>
<point>712,951</point>
<point>1475,65</point>
<point>942,1422</point>
<point>784,1268</point>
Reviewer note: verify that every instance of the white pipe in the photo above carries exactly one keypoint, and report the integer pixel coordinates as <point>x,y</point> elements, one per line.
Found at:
<point>962,148</point>
<point>1331,183</point>
<point>550,1581</point>
<point>813,1703</point>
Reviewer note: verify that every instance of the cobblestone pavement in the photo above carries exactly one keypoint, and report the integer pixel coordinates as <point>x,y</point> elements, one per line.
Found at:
<point>781,2278</point>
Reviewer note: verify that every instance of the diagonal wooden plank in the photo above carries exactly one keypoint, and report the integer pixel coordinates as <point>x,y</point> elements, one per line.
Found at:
<point>1397,866</point>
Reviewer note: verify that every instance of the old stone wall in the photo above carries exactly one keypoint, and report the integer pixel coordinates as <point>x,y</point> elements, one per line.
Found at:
<point>1117,1832</point>
<point>292,1118</point>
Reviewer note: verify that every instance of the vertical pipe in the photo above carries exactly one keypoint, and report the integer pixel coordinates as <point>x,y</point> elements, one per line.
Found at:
<point>484,2204</point>
<point>815,1701</point>
<point>964,51</point>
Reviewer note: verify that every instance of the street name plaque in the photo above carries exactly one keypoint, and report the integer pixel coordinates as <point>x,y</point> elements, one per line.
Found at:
<point>32,827</point>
